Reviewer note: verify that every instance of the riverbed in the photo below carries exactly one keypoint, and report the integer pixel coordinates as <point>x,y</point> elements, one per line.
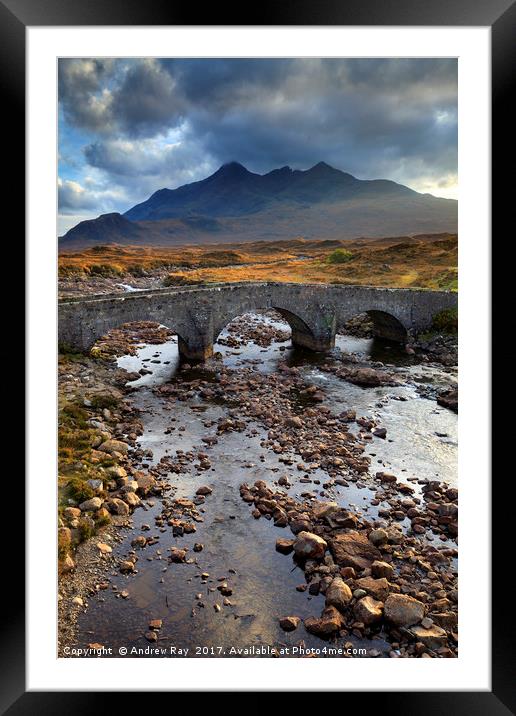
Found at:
<point>421,444</point>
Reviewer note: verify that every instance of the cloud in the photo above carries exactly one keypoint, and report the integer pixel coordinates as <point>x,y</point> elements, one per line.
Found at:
<point>83,95</point>
<point>142,124</point>
<point>73,197</point>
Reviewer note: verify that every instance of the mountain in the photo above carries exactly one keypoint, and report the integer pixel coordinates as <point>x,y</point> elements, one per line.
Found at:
<point>236,204</point>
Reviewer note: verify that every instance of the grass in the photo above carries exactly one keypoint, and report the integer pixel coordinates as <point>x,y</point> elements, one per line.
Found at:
<point>426,261</point>
<point>446,321</point>
<point>76,465</point>
<point>340,256</point>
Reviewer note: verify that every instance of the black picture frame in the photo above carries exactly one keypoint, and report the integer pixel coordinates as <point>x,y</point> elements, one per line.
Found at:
<point>500,15</point>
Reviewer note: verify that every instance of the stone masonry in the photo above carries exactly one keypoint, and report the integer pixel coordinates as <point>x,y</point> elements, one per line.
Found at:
<point>198,314</point>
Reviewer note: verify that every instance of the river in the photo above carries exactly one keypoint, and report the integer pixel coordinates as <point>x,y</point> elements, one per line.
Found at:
<point>421,443</point>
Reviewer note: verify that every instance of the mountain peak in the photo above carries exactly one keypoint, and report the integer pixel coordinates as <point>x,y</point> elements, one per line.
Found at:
<point>232,169</point>
<point>323,168</point>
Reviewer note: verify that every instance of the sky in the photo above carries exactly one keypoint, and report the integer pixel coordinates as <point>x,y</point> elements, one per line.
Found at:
<point>128,127</point>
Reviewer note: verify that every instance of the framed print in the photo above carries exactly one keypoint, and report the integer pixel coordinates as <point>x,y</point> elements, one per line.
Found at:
<point>258,289</point>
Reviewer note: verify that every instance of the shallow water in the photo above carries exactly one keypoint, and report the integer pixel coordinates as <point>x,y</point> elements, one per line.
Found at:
<point>264,581</point>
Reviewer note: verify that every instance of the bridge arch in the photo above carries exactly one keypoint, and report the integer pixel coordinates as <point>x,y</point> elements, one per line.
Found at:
<point>386,325</point>
<point>307,331</point>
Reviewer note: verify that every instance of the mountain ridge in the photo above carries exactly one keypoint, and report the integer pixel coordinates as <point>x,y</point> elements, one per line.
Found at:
<point>233,202</point>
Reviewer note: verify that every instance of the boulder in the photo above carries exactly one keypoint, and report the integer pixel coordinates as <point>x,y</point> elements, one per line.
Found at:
<point>433,637</point>
<point>204,490</point>
<point>338,594</point>
<point>402,610</point>
<point>289,623</point>
<point>111,446</point>
<point>116,471</point>
<point>285,546</point>
<point>330,621</point>
<point>177,555</point>
<point>386,477</point>
<point>309,546</point>
<point>117,506</point>
<point>95,503</point>
<point>72,513</point>
<point>67,564</point>
<point>378,537</point>
<point>353,549</point>
<point>382,569</point>
<point>132,499</point>
<point>368,377</point>
<point>377,588</point>
<point>449,399</point>
<point>368,611</point>
<point>146,484</point>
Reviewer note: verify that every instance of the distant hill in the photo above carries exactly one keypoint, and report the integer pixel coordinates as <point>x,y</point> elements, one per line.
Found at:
<point>234,204</point>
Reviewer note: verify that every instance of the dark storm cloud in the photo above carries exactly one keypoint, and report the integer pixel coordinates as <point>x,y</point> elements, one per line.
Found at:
<point>149,123</point>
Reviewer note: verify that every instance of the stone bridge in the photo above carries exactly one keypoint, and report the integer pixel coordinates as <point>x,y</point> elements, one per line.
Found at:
<point>198,314</point>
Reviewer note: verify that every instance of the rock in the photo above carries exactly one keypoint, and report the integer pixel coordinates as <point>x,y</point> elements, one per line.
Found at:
<point>204,490</point>
<point>285,546</point>
<point>386,477</point>
<point>146,484</point>
<point>280,517</point>
<point>116,471</point>
<point>380,432</point>
<point>338,594</point>
<point>139,541</point>
<point>126,566</point>
<point>104,548</point>
<point>330,621</point>
<point>132,499</point>
<point>377,588</point>
<point>382,569</point>
<point>324,509</point>
<point>225,589</point>
<point>378,537</point>
<point>309,546</point>
<point>151,636</point>
<point>72,513</point>
<point>294,422</point>
<point>177,555</point>
<point>78,601</point>
<point>449,399</point>
<point>368,611</point>
<point>432,638</point>
<point>67,564</point>
<point>117,506</point>
<point>111,446</point>
<point>155,624</point>
<point>64,536</point>
<point>289,623</point>
<point>353,549</point>
<point>94,503</point>
<point>96,485</point>
<point>402,610</point>
<point>368,377</point>
<point>347,573</point>
<point>102,514</point>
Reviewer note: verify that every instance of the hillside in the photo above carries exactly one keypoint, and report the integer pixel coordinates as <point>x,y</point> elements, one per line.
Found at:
<point>424,261</point>
<point>234,204</point>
